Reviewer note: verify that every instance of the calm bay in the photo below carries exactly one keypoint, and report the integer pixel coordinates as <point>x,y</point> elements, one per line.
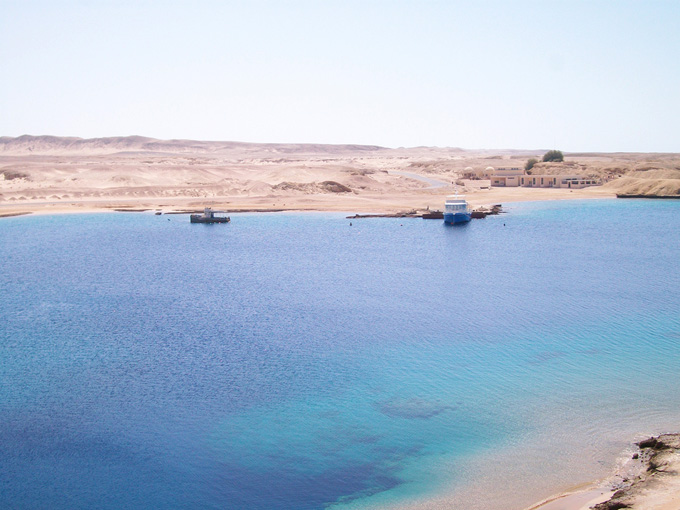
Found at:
<point>295,361</point>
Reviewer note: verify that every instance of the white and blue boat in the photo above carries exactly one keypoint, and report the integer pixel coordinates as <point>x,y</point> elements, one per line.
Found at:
<point>456,210</point>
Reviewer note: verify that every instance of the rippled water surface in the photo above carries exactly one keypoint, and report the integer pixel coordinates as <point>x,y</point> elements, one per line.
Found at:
<point>292,361</point>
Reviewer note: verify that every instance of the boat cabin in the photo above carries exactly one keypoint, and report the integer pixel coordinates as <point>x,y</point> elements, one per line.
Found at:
<point>456,205</point>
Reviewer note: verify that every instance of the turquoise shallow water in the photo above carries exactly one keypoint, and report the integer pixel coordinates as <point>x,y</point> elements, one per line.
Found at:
<point>292,361</point>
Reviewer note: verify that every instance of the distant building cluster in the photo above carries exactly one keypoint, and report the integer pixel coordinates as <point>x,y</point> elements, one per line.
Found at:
<point>515,176</point>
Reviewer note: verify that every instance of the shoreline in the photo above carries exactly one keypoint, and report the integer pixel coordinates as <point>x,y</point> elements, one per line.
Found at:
<point>391,203</point>
<point>576,499</point>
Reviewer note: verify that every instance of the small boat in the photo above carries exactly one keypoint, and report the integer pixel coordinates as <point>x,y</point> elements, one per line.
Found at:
<point>208,216</point>
<point>456,210</point>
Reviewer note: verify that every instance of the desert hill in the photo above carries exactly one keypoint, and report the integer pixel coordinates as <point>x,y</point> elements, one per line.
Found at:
<point>28,144</point>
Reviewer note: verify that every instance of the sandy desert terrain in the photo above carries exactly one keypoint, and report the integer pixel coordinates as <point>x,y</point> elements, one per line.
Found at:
<point>56,174</point>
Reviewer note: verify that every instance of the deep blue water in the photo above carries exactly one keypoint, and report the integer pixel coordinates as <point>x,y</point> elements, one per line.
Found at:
<point>292,361</point>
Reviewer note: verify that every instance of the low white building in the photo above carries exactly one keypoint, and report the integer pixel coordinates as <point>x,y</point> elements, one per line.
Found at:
<point>557,181</point>
<point>515,176</point>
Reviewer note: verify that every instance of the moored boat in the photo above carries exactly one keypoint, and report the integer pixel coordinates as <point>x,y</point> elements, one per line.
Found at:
<point>208,216</point>
<point>456,210</point>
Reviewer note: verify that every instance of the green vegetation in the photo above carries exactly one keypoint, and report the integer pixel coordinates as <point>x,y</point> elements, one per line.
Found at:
<point>553,156</point>
<point>530,164</point>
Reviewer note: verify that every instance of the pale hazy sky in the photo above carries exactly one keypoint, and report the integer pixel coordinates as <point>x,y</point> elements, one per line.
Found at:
<point>574,75</point>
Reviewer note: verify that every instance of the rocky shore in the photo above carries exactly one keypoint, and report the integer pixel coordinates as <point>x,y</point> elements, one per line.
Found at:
<point>624,195</point>
<point>657,486</point>
<point>649,480</point>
